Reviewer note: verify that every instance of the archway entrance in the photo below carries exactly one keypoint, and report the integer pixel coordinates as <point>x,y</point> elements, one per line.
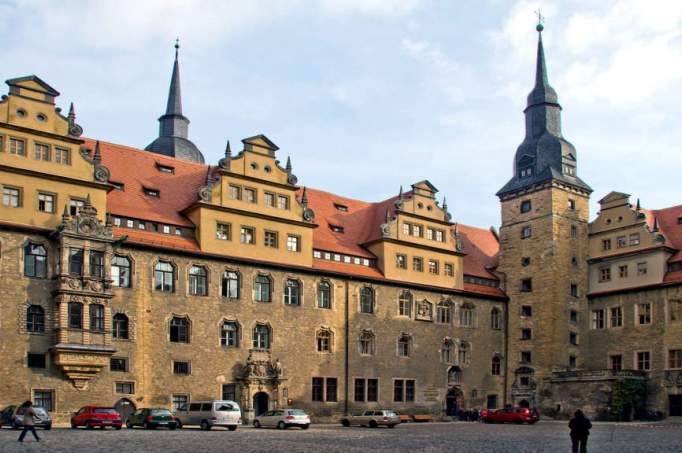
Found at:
<point>125,407</point>
<point>452,402</point>
<point>524,403</point>
<point>260,403</point>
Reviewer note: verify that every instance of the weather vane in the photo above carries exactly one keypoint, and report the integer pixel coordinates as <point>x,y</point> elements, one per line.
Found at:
<point>541,20</point>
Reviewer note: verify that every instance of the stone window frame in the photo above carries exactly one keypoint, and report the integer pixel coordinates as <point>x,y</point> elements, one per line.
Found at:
<point>22,256</point>
<point>176,274</point>
<point>55,201</point>
<point>271,278</point>
<point>373,293</point>
<point>301,291</point>
<point>132,262</point>
<point>496,318</point>
<point>131,330</point>
<point>464,347</point>
<point>327,331</point>
<point>53,391</point>
<point>367,334</point>
<point>638,314</point>
<point>188,268</point>
<point>240,332</point>
<point>185,316</point>
<point>404,399</point>
<point>448,343</point>
<point>271,333</point>
<point>20,196</point>
<point>648,361</point>
<point>525,206</point>
<point>331,294</point>
<point>447,306</point>
<point>668,357</point>
<point>610,317</point>
<point>467,305</point>
<point>407,339</point>
<point>128,366</point>
<point>496,364</point>
<point>240,283</point>
<point>172,367</point>
<point>365,386</point>
<point>674,308</point>
<point>401,299</point>
<point>48,317</point>
<point>125,382</point>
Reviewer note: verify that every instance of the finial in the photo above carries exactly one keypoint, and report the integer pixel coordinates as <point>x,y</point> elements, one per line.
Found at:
<point>655,229</point>
<point>456,229</point>
<point>388,215</point>
<point>65,215</point>
<point>445,204</point>
<point>541,21</point>
<point>639,206</point>
<point>87,200</point>
<point>288,167</point>
<point>72,112</point>
<point>228,151</point>
<point>177,47</point>
<point>400,193</point>
<point>97,158</point>
<point>304,198</point>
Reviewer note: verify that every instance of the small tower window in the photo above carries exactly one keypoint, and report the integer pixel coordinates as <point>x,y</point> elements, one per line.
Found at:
<point>526,206</point>
<point>151,192</point>
<point>569,170</point>
<point>526,172</point>
<point>341,207</point>
<point>336,228</point>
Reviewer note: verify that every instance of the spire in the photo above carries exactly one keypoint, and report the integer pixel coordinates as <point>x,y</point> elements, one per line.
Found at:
<point>400,192</point>
<point>388,215</point>
<point>97,158</point>
<point>228,151</point>
<point>304,198</point>
<point>288,167</point>
<point>72,114</point>
<point>655,229</point>
<point>639,206</point>
<point>445,204</point>
<point>174,106</point>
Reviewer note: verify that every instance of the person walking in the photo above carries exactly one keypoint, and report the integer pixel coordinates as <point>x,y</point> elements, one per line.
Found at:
<point>29,424</point>
<point>580,430</point>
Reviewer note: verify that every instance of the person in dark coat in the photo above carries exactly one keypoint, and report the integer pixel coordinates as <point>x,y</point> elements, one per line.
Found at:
<point>580,430</point>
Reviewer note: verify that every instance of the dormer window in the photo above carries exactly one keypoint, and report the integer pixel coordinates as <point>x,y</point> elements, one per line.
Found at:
<point>341,207</point>
<point>336,228</point>
<point>165,168</point>
<point>569,170</point>
<point>151,192</point>
<point>679,220</point>
<point>526,172</point>
<point>117,185</point>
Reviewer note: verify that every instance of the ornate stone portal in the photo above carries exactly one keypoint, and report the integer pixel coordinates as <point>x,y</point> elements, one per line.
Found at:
<point>261,384</point>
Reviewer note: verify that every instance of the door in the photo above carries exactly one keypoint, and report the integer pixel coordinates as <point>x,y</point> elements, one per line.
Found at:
<point>675,405</point>
<point>125,407</point>
<point>260,403</point>
<point>451,406</point>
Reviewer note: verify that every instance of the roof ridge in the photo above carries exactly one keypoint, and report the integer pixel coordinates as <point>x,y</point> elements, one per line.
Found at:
<point>146,153</point>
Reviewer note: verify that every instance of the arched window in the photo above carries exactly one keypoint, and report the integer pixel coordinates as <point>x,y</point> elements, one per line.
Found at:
<point>455,375</point>
<point>35,319</point>
<point>324,341</point>
<point>261,337</point>
<point>463,353</point>
<point>179,330</point>
<point>366,300</point>
<point>444,312</point>
<point>447,351</point>
<point>495,369</point>
<point>262,289</point>
<point>121,328</point>
<point>367,343</point>
<point>75,315</point>
<point>404,346</point>
<point>229,285</point>
<point>495,319</point>
<point>466,315</point>
<point>120,271</point>
<point>292,292</point>
<point>405,304</point>
<point>229,335</point>
<point>164,277</point>
<point>96,317</point>
<point>324,295</point>
<point>35,261</point>
<point>198,281</point>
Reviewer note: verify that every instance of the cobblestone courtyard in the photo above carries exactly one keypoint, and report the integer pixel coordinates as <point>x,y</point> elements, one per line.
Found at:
<point>433,437</point>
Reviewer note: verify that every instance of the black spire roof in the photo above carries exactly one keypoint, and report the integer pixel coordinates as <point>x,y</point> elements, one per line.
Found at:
<point>544,154</point>
<point>173,125</point>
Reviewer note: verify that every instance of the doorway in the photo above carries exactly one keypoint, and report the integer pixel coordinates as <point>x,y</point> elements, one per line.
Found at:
<point>125,407</point>
<point>675,408</point>
<point>452,402</point>
<point>524,403</point>
<point>260,403</point>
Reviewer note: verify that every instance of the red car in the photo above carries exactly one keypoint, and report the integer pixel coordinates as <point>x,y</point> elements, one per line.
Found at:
<point>91,416</point>
<point>511,415</point>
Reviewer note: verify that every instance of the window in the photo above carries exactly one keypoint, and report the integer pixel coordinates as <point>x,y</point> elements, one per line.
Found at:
<point>569,170</point>
<point>644,313</point>
<point>151,192</point>
<point>417,264</point>
<point>597,319</point>
<point>641,268</point>
<point>179,330</point>
<point>446,351</point>
<point>35,319</point>
<point>292,292</point>
<point>400,261</point>
<point>42,151</point>
<point>120,271</point>
<point>341,207</point>
<point>127,388</point>
<point>455,375</point>
<point>634,239</point>
<point>45,202</point>
<point>166,228</point>
<point>675,309</point>
<point>261,337</point>
<point>526,357</point>
<point>36,360</point>
<point>404,346</point>
<point>269,199</point>
<point>318,389</point>
<point>366,390</point>
<point>359,387</point>
<point>250,195</point>
<point>463,353</point>
<point>235,192</point>
<point>429,233</point>
<point>324,341</point>
<point>282,202</point>
<point>574,290</point>
<point>44,399</point>
<point>572,362</point>
<point>247,235</point>
<point>466,316</point>
<point>366,343</point>
<point>449,270</point>
<point>526,334</point>
<point>229,285</point>
<point>224,231</point>
<point>604,274</point>
<point>571,204</point>
<point>198,281</point>
<point>644,360</point>
<point>496,366</point>
<point>616,316</point>
<point>525,206</point>
<point>495,319</point>
<point>526,232</point>
<point>616,362</point>
<point>293,243</point>
<point>403,390</point>
<point>324,295</point>
<point>621,241</point>
<point>181,368</point>
<point>623,271</point>
<point>75,311</point>
<point>405,304</point>
<point>417,231</point>
<point>96,317</point>
<point>526,311</point>
<point>440,236</point>
<point>444,312</point>
<point>526,285</point>
<point>406,229</point>
<point>17,146</point>
<point>270,239</point>
<point>229,392</point>
<point>573,316</point>
<point>372,390</point>
<point>433,267</point>
<point>75,206</point>
<point>675,358</point>
<point>366,300</point>
<point>525,261</point>
<point>229,335</point>
<point>336,228</point>
<point>606,244</point>
<point>573,338</point>
<point>164,277</point>
<point>526,172</point>
<point>262,289</point>
<point>11,196</point>
<point>120,326</point>
<point>76,262</point>
<point>35,261</point>
<point>574,231</point>
<point>119,364</point>
<point>96,264</point>
<point>179,402</point>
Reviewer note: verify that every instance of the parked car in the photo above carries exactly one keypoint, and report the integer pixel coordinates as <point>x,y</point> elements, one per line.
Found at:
<point>283,418</point>
<point>208,414</point>
<point>91,416</point>
<point>14,416</point>
<point>373,419</point>
<point>152,418</point>
<point>511,415</point>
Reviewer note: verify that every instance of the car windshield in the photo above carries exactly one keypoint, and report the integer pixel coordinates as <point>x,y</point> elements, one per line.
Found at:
<point>104,410</point>
<point>159,412</point>
<point>297,412</point>
<point>226,407</point>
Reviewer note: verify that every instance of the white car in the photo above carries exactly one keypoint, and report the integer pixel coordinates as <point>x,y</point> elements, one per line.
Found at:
<point>208,414</point>
<point>283,418</point>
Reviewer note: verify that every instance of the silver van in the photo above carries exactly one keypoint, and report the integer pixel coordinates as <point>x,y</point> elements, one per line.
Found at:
<point>208,414</point>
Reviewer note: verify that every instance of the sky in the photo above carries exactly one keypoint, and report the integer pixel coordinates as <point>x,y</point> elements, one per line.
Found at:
<point>369,95</point>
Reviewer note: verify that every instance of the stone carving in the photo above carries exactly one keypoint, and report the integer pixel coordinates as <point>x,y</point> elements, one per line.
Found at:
<point>85,223</point>
<point>424,311</point>
<point>260,367</point>
<point>308,215</point>
<point>292,180</point>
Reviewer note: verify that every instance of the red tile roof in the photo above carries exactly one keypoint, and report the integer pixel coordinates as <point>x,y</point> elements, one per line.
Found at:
<point>670,227</point>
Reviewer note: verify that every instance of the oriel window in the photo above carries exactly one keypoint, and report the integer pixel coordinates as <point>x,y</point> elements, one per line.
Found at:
<point>75,312</point>
<point>76,262</point>
<point>96,264</point>
<point>96,317</point>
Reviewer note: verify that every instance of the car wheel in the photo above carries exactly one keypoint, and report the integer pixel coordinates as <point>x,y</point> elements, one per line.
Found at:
<point>89,426</point>
<point>373,424</point>
<point>147,425</point>
<point>129,425</point>
<point>205,426</point>
<point>48,427</point>
<point>345,422</point>
<point>178,424</point>
<point>305,426</point>
<point>281,425</point>
<point>172,426</point>
<point>256,424</point>
<point>232,428</point>
<point>118,427</point>
<point>73,425</point>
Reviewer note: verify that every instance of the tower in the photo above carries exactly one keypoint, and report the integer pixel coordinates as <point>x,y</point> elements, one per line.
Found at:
<point>543,246</point>
<point>173,138</point>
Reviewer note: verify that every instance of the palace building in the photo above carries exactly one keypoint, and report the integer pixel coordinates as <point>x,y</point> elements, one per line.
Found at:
<point>148,277</point>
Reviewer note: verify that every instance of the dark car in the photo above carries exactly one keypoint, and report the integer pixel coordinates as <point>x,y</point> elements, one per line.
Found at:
<point>152,418</point>
<point>511,415</point>
<point>14,416</point>
<point>91,416</point>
